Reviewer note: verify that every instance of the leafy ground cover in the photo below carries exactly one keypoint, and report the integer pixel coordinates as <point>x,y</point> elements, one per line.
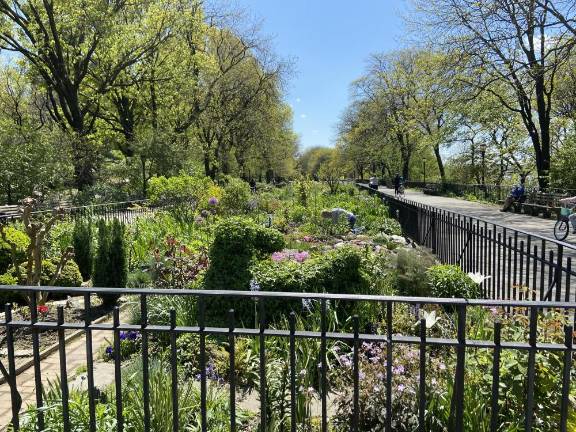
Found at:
<point>276,240</point>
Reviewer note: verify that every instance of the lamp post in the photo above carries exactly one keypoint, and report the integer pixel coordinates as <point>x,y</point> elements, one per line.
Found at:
<point>483,153</point>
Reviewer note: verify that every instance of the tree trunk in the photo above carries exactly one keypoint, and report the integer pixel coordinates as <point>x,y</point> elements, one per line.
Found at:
<point>440,163</point>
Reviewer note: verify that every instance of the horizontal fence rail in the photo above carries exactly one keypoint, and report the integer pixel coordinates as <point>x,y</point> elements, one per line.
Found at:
<point>521,265</point>
<point>424,343</point>
<point>126,212</point>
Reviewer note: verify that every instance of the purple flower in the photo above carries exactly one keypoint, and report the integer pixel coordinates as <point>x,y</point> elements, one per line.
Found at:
<point>123,336</point>
<point>109,351</point>
<point>398,370</point>
<point>278,256</point>
<point>301,256</point>
<point>213,201</point>
<point>401,387</point>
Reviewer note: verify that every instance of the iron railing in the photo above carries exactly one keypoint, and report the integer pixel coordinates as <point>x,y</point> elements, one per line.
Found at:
<point>389,337</point>
<point>126,211</point>
<point>521,265</point>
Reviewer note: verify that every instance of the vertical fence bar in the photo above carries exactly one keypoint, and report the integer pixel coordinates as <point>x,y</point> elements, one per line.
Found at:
<point>422,384</point>
<point>564,403</point>
<point>559,269</point>
<point>521,272</point>
<point>389,366</point>
<point>118,370</point>
<point>262,365</point>
<point>14,396</point>
<point>509,266</point>
<point>515,269</point>
<point>324,366</point>
<point>498,261</point>
<point>531,368</point>
<point>232,371</point>
<point>542,262</point>
<point>145,365</point>
<point>528,257</point>
<point>494,411</point>
<point>63,370</point>
<point>356,372</point>
<point>535,273</point>
<point>89,362</point>
<point>36,356</point>
<point>460,368</point>
<point>174,371</point>
<point>202,360</point>
<point>293,420</point>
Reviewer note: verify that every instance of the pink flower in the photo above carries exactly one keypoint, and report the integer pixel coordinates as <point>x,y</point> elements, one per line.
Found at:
<point>301,256</point>
<point>278,256</point>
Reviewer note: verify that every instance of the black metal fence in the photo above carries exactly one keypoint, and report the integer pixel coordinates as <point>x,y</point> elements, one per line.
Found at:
<point>388,337</point>
<point>125,212</point>
<point>520,265</point>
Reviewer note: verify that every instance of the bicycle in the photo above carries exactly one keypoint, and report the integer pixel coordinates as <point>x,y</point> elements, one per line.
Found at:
<point>562,226</point>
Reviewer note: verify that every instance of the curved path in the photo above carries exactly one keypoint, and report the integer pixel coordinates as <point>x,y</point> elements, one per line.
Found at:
<point>488,212</point>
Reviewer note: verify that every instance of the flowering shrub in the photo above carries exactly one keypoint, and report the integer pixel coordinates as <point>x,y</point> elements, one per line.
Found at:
<point>130,344</point>
<point>299,257</point>
<point>178,267</point>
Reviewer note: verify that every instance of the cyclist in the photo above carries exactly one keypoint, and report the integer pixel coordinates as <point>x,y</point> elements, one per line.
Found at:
<point>571,202</point>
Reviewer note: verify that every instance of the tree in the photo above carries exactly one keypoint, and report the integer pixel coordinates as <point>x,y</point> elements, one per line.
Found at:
<point>509,42</point>
<point>78,49</point>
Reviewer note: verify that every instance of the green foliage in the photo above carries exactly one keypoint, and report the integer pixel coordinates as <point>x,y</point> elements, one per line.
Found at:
<point>83,247</point>
<point>451,282</point>
<point>132,399</point>
<point>236,196</point>
<point>118,263</point>
<point>411,267</point>
<point>9,296</point>
<point>110,266</point>
<point>337,272</point>
<point>102,258</point>
<point>21,240</point>
<point>183,195</point>
<point>237,243</point>
<point>69,275</point>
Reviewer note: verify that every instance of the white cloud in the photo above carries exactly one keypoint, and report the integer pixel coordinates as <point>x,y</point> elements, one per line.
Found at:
<point>303,116</point>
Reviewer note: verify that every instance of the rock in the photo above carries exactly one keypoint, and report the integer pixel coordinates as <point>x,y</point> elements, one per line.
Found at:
<point>398,239</point>
<point>63,303</point>
<point>76,302</point>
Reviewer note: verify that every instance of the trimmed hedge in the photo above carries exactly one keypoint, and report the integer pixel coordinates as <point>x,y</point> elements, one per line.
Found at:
<point>21,240</point>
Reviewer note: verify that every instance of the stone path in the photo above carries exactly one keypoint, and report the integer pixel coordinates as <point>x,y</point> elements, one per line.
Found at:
<point>50,367</point>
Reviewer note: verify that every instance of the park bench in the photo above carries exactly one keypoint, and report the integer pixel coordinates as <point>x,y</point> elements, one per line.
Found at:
<point>432,189</point>
<point>543,203</point>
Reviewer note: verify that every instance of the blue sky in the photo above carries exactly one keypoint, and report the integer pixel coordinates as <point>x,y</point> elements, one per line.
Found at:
<point>329,42</point>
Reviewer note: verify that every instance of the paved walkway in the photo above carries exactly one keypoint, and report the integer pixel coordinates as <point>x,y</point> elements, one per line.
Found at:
<point>488,212</point>
<point>50,367</point>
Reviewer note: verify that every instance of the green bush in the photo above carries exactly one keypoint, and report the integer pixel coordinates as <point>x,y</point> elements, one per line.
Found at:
<point>412,277</point>
<point>237,244</point>
<point>236,196</point>
<point>110,265</point>
<point>9,296</point>
<point>118,270</point>
<point>21,240</point>
<point>337,272</point>
<point>451,282</point>
<point>183,194</point>
<point>83,247</point>
<point>102,258</point>
<point>69,276</point>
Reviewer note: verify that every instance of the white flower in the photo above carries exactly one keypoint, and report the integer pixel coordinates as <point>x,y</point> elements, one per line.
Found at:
<point>478,278</point>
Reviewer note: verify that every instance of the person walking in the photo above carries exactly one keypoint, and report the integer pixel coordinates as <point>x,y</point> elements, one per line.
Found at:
<point>398,180</point>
